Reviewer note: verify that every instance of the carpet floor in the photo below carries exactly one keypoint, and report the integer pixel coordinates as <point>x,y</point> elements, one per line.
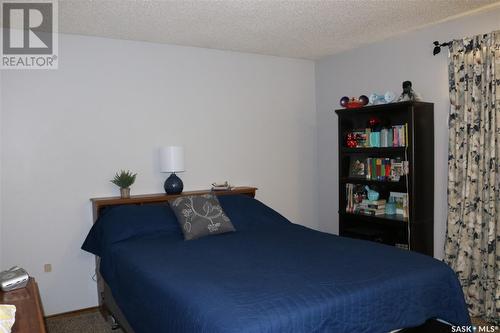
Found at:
<point>93,322</point>
<point>90,322</point>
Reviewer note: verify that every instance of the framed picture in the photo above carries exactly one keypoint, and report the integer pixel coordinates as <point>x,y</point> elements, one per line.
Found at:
<point>401,201</point>
<point>357,168</point>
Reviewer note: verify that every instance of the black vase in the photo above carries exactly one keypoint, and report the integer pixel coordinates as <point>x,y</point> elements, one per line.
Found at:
<point>173,184</point>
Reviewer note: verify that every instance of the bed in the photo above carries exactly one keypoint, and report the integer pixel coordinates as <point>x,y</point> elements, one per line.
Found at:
<point>269,276</point>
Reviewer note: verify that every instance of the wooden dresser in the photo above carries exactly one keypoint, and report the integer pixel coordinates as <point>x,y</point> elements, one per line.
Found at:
<point>29,312</point>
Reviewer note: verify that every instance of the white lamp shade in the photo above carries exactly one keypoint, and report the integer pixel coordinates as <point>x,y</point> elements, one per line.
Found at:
<point>172,159</point>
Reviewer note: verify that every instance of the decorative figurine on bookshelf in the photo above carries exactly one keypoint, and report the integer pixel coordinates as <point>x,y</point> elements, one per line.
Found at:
<point>372,195</point>
<point>390,207</point>
<point>374,123</point>
<point>353,102</point>
<point>351,141</point>
<point>376,99</point>
<point>408,93</point>
<point>359,194</point>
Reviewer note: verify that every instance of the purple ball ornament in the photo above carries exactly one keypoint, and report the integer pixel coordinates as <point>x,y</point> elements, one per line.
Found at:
<point>343,101</point>
<point>364,100</point>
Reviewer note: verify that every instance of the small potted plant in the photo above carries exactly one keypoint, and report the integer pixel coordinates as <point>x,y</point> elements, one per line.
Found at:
<point>124,179</point>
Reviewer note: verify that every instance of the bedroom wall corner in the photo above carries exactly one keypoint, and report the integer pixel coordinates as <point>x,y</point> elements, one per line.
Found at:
<point>111,104</point>
<point>384,66</point>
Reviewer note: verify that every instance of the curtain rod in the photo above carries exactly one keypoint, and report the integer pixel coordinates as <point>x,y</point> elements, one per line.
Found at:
<point>437,46</point>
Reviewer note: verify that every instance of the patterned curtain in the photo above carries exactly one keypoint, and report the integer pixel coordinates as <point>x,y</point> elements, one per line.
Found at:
<point>472,245</point>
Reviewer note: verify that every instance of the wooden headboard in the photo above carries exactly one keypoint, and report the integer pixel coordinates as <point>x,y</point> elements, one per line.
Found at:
<point>99,203</point>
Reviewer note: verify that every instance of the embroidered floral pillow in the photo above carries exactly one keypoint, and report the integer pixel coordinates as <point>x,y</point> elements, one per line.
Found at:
<point>200,215</point>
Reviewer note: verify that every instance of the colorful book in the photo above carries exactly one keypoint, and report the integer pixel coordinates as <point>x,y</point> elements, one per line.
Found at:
<point>374,169</point>
<point>395,140</point>
<point>368,168</point>
<point>379,168</point>
<point>387,168</point>
<point>383,137</point>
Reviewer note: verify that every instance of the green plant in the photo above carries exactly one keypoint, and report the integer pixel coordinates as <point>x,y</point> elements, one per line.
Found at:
<point>124,179</point>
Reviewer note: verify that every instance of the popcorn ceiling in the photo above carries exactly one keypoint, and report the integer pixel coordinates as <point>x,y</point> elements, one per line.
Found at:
<point>298,29</point>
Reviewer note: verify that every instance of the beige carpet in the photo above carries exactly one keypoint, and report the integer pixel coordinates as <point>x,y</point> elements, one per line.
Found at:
<point>90,322</point>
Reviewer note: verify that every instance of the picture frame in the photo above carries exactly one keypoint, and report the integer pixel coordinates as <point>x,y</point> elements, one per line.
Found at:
<point>357,168</point>
<point>401,201</point>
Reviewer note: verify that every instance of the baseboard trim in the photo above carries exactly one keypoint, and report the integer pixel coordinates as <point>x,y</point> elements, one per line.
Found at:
<point>73,313</point>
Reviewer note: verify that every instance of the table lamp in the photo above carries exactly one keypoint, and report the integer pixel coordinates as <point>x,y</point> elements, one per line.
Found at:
<point>172,160</point>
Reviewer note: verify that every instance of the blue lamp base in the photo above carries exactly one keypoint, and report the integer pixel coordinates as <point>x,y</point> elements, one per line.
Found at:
<point>173,185</point>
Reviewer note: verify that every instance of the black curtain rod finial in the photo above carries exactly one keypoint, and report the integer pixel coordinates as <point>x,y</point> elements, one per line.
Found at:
<point>437,46</point>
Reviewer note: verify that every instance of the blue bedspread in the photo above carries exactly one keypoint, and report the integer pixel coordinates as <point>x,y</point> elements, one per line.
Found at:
<point>276,277</point>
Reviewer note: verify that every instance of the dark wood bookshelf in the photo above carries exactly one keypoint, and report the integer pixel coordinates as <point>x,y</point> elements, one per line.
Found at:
<point>416,230</point>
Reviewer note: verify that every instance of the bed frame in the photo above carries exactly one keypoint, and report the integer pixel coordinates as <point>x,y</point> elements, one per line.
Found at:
<point>107,304</point>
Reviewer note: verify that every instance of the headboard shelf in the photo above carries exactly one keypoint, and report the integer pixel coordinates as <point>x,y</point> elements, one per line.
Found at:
<point>99,203</point>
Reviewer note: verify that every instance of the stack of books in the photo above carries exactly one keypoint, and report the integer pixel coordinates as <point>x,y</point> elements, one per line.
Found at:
<point>371,207</point>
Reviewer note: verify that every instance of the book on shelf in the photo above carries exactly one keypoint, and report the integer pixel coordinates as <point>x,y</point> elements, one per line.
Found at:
<point>368,211</point>
<point>372,204</point>
<point>380,169</point>
<point>402,246</point>
<point>400,134</point>
<point>392,136</point>
<point>350,198</point>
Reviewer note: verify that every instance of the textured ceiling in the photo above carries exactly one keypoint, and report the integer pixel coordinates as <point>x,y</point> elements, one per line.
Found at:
<point>301,29</point>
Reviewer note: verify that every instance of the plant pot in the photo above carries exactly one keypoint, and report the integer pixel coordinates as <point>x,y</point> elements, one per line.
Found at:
<point>125,193</point>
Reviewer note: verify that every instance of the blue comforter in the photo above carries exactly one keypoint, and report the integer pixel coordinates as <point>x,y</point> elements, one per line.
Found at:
<point>269,276</point>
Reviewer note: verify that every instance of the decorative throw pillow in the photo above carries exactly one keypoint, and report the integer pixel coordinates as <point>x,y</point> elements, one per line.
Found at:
<point>200,215</point>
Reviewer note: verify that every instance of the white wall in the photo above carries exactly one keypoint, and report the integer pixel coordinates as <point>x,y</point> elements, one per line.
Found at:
<point>384,66</point>
<point>1,185</point>
<point>245,118</point>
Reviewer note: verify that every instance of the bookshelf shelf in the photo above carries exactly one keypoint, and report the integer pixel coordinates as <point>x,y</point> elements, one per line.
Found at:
<point>373,150</point>
<point>396,186</point>
<point>417,230</point>
<point>380,219</point>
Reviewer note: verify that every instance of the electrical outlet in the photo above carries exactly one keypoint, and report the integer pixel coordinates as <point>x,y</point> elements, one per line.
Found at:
<point>47,268</point>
